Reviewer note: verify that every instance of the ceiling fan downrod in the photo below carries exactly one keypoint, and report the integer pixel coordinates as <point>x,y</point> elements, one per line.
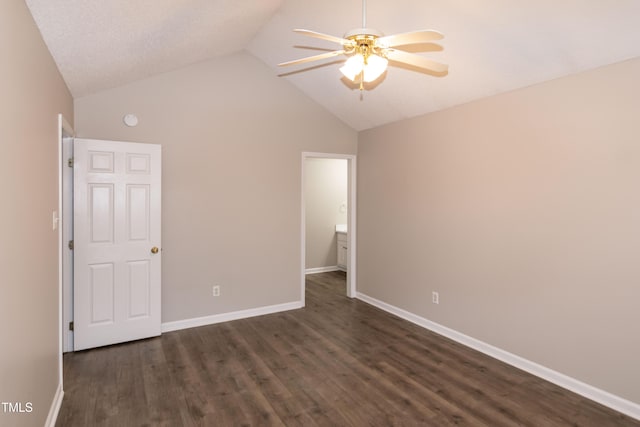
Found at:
<point>364,13</point>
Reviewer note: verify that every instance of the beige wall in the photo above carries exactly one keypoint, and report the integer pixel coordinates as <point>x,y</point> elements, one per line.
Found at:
<point>326,190</point>
<point>32,95</point>
<point>232,134</point>
<point>523,212</point>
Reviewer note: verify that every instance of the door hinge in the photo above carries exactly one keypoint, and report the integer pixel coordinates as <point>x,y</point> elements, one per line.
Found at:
<point>70,162</point>
<point>70,244</point>
<point>71,326</point>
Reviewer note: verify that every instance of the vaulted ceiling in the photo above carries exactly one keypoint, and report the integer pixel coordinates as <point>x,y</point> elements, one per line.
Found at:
<point>491,46</point>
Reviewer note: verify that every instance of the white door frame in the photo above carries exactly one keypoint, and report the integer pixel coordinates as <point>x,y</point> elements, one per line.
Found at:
<point>351,221</point>
<point>65,132</point>
<point>67,235</point>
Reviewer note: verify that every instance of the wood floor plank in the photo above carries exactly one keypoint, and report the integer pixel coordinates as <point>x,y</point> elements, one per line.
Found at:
<point>303,405</point>
<point>337,362</point>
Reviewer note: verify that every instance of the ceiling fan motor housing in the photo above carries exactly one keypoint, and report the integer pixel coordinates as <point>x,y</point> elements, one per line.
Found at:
<point>363,32</point>
<point>364,41</point>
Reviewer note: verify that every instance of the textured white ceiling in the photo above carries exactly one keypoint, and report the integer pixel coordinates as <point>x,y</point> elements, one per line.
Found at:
<point>491,46</point>
<point>100,44</point>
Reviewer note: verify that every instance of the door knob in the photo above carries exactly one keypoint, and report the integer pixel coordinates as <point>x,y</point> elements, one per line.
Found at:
<point>154,250</point>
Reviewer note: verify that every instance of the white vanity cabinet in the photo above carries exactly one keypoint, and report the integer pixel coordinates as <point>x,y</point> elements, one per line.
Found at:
<point>342,250</point>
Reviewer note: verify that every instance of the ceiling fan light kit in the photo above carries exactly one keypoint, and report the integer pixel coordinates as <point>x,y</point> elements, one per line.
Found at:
<point>367,61</point>
<point>368,51</point>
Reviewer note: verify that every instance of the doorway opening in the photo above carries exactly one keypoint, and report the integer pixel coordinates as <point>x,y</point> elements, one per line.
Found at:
<point>339,219</point>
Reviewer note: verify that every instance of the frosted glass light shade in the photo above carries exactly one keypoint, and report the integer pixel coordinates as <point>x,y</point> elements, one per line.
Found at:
<point>353,67</point>
<point>374,68</point>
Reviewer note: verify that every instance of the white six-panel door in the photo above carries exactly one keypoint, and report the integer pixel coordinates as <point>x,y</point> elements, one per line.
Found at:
<point>117,257</point>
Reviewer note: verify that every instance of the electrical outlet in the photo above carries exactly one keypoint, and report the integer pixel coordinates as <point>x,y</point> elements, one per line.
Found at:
<point>216,291</point>
<point>435,297</point>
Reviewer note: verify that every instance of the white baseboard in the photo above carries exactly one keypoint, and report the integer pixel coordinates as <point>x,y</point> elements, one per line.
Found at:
<point>226,317</point>
<point>52,417</point>
<point>603,397</point>
<point>317,270</point>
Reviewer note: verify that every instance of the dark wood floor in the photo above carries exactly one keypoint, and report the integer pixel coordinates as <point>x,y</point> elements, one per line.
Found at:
<point>337,362</point>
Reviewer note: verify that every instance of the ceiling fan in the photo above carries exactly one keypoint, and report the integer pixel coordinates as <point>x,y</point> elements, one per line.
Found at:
<point>369,51</point>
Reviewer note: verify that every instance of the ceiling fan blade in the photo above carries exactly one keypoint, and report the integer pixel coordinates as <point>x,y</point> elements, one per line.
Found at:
<point>421,36</point>
<point>322,36</point>
<point>416,60</point>
<point>312,58</point>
